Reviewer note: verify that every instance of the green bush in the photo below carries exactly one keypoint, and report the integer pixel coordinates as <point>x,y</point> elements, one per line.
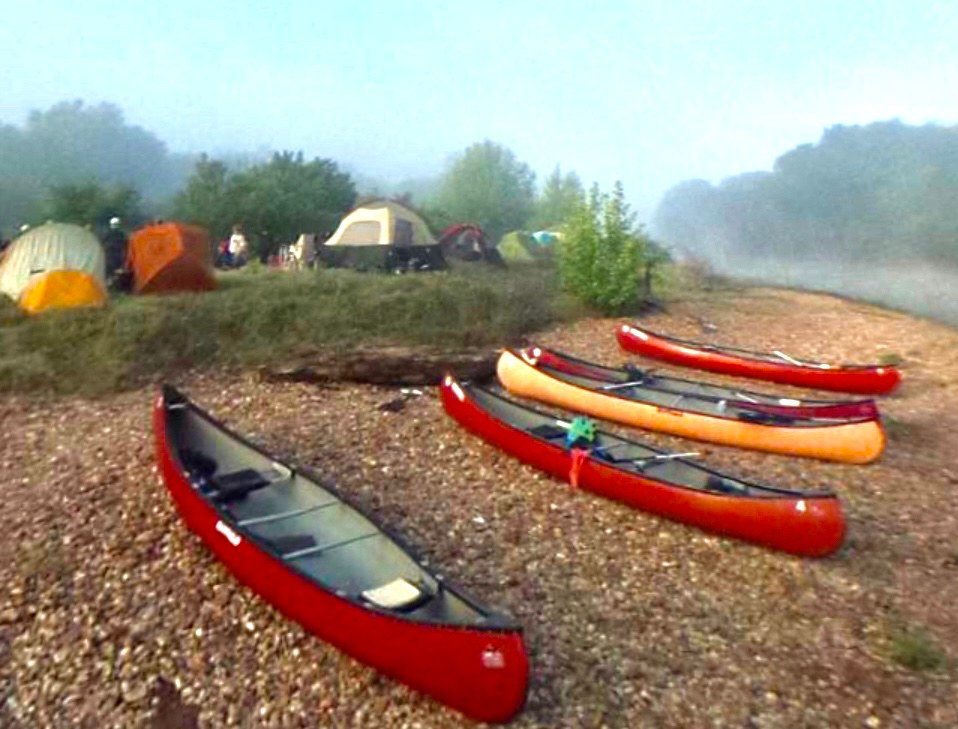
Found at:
<point>603,253</point>
<point>914,648</point>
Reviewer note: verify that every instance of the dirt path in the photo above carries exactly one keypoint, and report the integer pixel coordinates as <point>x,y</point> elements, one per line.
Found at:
<point>113,615</point>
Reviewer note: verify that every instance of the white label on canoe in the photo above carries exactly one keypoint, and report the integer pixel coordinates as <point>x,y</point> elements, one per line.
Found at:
<point>457,391</point>
<point>231,536</point>
<point>492,658</point>
<point>800,506</point>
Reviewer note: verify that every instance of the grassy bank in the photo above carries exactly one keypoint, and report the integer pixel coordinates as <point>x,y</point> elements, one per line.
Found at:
<point>262,316</point>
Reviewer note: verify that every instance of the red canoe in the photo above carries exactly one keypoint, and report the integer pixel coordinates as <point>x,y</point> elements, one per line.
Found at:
<point>805,523</point>
<point>303,548</point>
<point>775,367</point>
<point>759,402</point>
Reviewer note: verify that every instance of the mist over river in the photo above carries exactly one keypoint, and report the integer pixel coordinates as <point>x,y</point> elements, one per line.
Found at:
<point>916,287</point>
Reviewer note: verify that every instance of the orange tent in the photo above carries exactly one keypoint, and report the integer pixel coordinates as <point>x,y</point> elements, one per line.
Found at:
<point>171,257</point>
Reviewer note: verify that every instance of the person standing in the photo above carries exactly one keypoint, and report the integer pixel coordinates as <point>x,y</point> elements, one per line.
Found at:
<point>238,248</point>
<point>115,245</point>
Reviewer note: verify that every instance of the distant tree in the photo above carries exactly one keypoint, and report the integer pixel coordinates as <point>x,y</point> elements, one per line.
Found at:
<point>603,252</point>
<point>72,143</point>
<point>93,205</point>
<point>884,191</point>
<point>275,201</point>
<point>488,186</point>
<point>561,196</point>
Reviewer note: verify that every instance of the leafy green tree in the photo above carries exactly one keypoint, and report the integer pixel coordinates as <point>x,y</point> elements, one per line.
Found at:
<point>488,186</point>
<point>561,196</point>
<point>602,252</point>
<point>93,205</point>
<point>205,200</point>
<point>275,201</point>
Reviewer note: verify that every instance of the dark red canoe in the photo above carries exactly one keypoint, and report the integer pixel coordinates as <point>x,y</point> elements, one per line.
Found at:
<point>302,547</point>
<point>759,402</point>
<point>810,524</point>
<point>775,367</point>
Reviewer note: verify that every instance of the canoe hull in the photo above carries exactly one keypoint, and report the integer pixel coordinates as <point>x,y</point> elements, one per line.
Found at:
<point>481,673</point>
<point>855,442</point>
<point>867,380</point>
<point>811,527</point>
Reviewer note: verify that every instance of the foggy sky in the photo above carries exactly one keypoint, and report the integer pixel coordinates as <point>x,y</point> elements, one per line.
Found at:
<point>630,90</point>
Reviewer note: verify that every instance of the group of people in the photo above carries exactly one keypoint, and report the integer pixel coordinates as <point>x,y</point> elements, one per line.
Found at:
<point>300,255</point>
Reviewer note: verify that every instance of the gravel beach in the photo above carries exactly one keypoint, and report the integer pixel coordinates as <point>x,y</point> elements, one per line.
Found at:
<point>113,615</point>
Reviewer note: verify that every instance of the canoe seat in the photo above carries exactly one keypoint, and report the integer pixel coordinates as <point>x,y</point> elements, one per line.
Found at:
<point>717,483</point>
<point>236,485</point>
<point>548,431</point>
<point>292,542</point>
<point>400,594</point>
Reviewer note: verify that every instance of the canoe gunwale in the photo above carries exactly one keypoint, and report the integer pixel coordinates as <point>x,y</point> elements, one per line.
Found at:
<point>777,491</point>
<point>812,423</point>
<point>551,354</point>
<point>494,621</point>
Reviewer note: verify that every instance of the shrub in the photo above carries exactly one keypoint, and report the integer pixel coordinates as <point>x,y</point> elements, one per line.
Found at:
<point>602,253</point>
<point>915,649</point>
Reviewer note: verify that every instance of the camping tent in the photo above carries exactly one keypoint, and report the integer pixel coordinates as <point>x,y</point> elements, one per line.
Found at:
<point>468,242</point>
<point>54,266</point>
<point>520,246</point>
<point>382,234</point>
<point>171,257</point>
<point>545,237</point>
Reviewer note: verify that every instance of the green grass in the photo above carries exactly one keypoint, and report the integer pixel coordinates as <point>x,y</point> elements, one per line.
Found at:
<point>914,648</point>
<point>890,359</point>
<point>262,316</point>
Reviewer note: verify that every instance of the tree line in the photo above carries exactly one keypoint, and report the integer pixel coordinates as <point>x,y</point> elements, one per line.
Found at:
<point>879,192</point>
<point>84,164</point>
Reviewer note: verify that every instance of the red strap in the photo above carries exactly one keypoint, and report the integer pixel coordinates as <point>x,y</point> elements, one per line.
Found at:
<point>579,456</point>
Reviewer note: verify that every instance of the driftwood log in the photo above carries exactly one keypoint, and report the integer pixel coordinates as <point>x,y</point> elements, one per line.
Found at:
<point>397,366</point>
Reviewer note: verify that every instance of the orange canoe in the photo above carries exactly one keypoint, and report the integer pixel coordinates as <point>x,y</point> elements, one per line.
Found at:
<point>858,441</point>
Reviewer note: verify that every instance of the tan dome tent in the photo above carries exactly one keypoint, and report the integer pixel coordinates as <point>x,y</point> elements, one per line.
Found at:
<point>54,266</point>
<point>382,234</point>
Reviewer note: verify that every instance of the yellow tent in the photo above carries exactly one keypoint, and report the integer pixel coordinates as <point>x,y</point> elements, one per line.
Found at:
<point>54,266</point>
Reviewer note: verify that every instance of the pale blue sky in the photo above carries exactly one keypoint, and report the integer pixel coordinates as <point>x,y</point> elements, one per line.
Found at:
<point>648,92</point>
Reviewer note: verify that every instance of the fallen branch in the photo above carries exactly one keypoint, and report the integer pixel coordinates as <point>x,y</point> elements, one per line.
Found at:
<point>396,366</point>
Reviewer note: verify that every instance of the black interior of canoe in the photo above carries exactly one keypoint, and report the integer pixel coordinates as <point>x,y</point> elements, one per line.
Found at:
<point>310,528</point>
<point>627,455</point>
<point>677,385</point>
<point>692,402</point>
